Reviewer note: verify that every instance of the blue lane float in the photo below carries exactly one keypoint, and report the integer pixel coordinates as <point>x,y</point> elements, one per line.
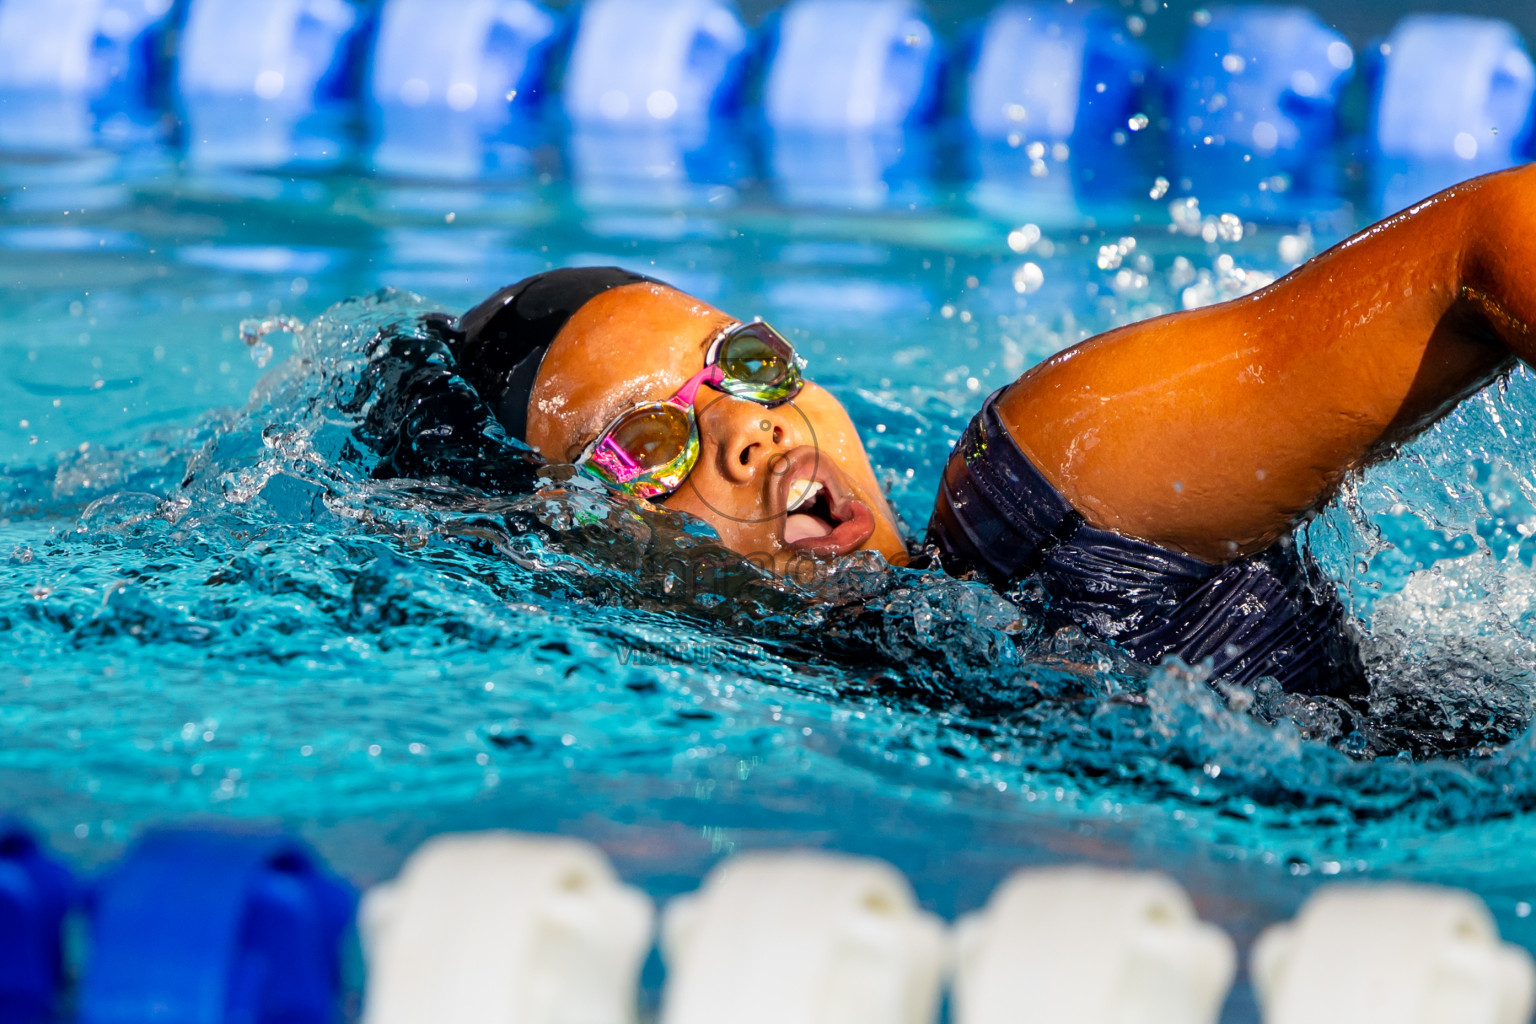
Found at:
<point>1052,73</point>
<point>850,87</point>
<point>1054,95</point>
<point>456,85</point>
<point>1260,85</point>
<point>203,927</point>
<point>210,927</point>
<point>1454,97</point>
<point>1452,86</point>
<point>268,84</point>
<point>653,62</point>
<point>35,894</point>
<point>647,88</point>
<point>68,67</point>
<point>850,65</point>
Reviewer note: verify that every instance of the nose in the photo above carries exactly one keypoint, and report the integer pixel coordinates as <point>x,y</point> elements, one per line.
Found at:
<point>750,439</point>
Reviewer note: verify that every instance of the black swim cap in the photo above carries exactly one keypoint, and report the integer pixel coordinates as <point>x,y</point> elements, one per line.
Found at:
<point>507,335</point>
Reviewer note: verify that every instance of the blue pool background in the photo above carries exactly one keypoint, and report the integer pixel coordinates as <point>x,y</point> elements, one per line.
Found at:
<point>211,613</point>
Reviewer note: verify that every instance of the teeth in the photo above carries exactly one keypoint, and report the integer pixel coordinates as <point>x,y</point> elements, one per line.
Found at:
<point>801,492</point>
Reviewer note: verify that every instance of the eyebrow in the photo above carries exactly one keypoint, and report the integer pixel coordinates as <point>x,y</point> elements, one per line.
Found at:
<point>715,336</point>
<point>636,395</point>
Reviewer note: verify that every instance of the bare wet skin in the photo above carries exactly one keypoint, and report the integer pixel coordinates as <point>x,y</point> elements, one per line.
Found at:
<point>1212,431</point>
<point>640,343</point>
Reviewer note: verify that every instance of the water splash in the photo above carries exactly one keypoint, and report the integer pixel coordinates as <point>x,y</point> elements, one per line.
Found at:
<point>295,618</point>
<point>254,332</point>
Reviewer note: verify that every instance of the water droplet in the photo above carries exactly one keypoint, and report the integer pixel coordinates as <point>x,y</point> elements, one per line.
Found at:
<point>1294,248</point>
<point>1023,238</point>
<point>1028,279</point>
<point>269,85</point>
<point>661,104</point>
<point>462,96</point>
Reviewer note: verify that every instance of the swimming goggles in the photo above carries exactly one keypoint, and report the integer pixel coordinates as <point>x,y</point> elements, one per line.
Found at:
<point>649,450</point>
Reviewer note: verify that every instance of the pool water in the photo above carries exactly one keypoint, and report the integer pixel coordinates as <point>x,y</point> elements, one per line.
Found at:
<point>212,611</point>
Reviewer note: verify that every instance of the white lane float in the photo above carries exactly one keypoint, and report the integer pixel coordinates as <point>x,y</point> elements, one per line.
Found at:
<point>1391,954</point>
<point>1079,945</point>
<point>801,938</point>
<point>504,928</point>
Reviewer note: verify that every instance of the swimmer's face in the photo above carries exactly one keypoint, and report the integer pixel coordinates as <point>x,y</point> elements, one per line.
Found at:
<point>640,343</point>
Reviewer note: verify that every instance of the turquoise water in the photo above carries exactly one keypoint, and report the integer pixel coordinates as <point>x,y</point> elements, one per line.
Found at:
<point>211,610</point>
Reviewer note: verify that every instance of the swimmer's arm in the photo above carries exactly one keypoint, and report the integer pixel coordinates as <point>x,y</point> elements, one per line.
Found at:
<point>1213,431</point>
<point>1498,264</point>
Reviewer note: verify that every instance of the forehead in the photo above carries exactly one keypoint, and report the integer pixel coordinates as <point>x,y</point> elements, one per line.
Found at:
<point>638,342</point>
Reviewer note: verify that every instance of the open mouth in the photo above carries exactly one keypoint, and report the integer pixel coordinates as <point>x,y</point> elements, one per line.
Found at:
<point>821,514</point>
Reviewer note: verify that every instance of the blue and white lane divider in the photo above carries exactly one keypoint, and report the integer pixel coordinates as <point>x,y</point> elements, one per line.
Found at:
<point>454,83</point>
<point>1388,954</point>
<point>848,91</point>
<point>1054,95</point>
<point>639,63</point>
<point>35,896</point>
<point>1087,944</point>
<point>203,927</point>
<point>800,938</point>
<point>452,86</point>
<point>841,66</point>
<point>290,53</point>
<point>1261,81</point>
<point>649,90</point>
<point>71,67</point>
<point>1453,97</point>
<point>268,84</point>
<point>1454,87</point>
<point>1052,73</point>
<point>213,927</point>
<point>492,927</point>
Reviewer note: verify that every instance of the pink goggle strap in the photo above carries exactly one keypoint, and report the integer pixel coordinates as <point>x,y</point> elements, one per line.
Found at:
<point>689,391</point>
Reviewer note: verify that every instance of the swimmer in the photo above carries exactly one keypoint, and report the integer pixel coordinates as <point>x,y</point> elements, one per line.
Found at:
<point>1148,479</point>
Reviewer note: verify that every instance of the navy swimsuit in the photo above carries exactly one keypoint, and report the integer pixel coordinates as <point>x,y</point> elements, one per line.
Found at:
<point>1269,614</point>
